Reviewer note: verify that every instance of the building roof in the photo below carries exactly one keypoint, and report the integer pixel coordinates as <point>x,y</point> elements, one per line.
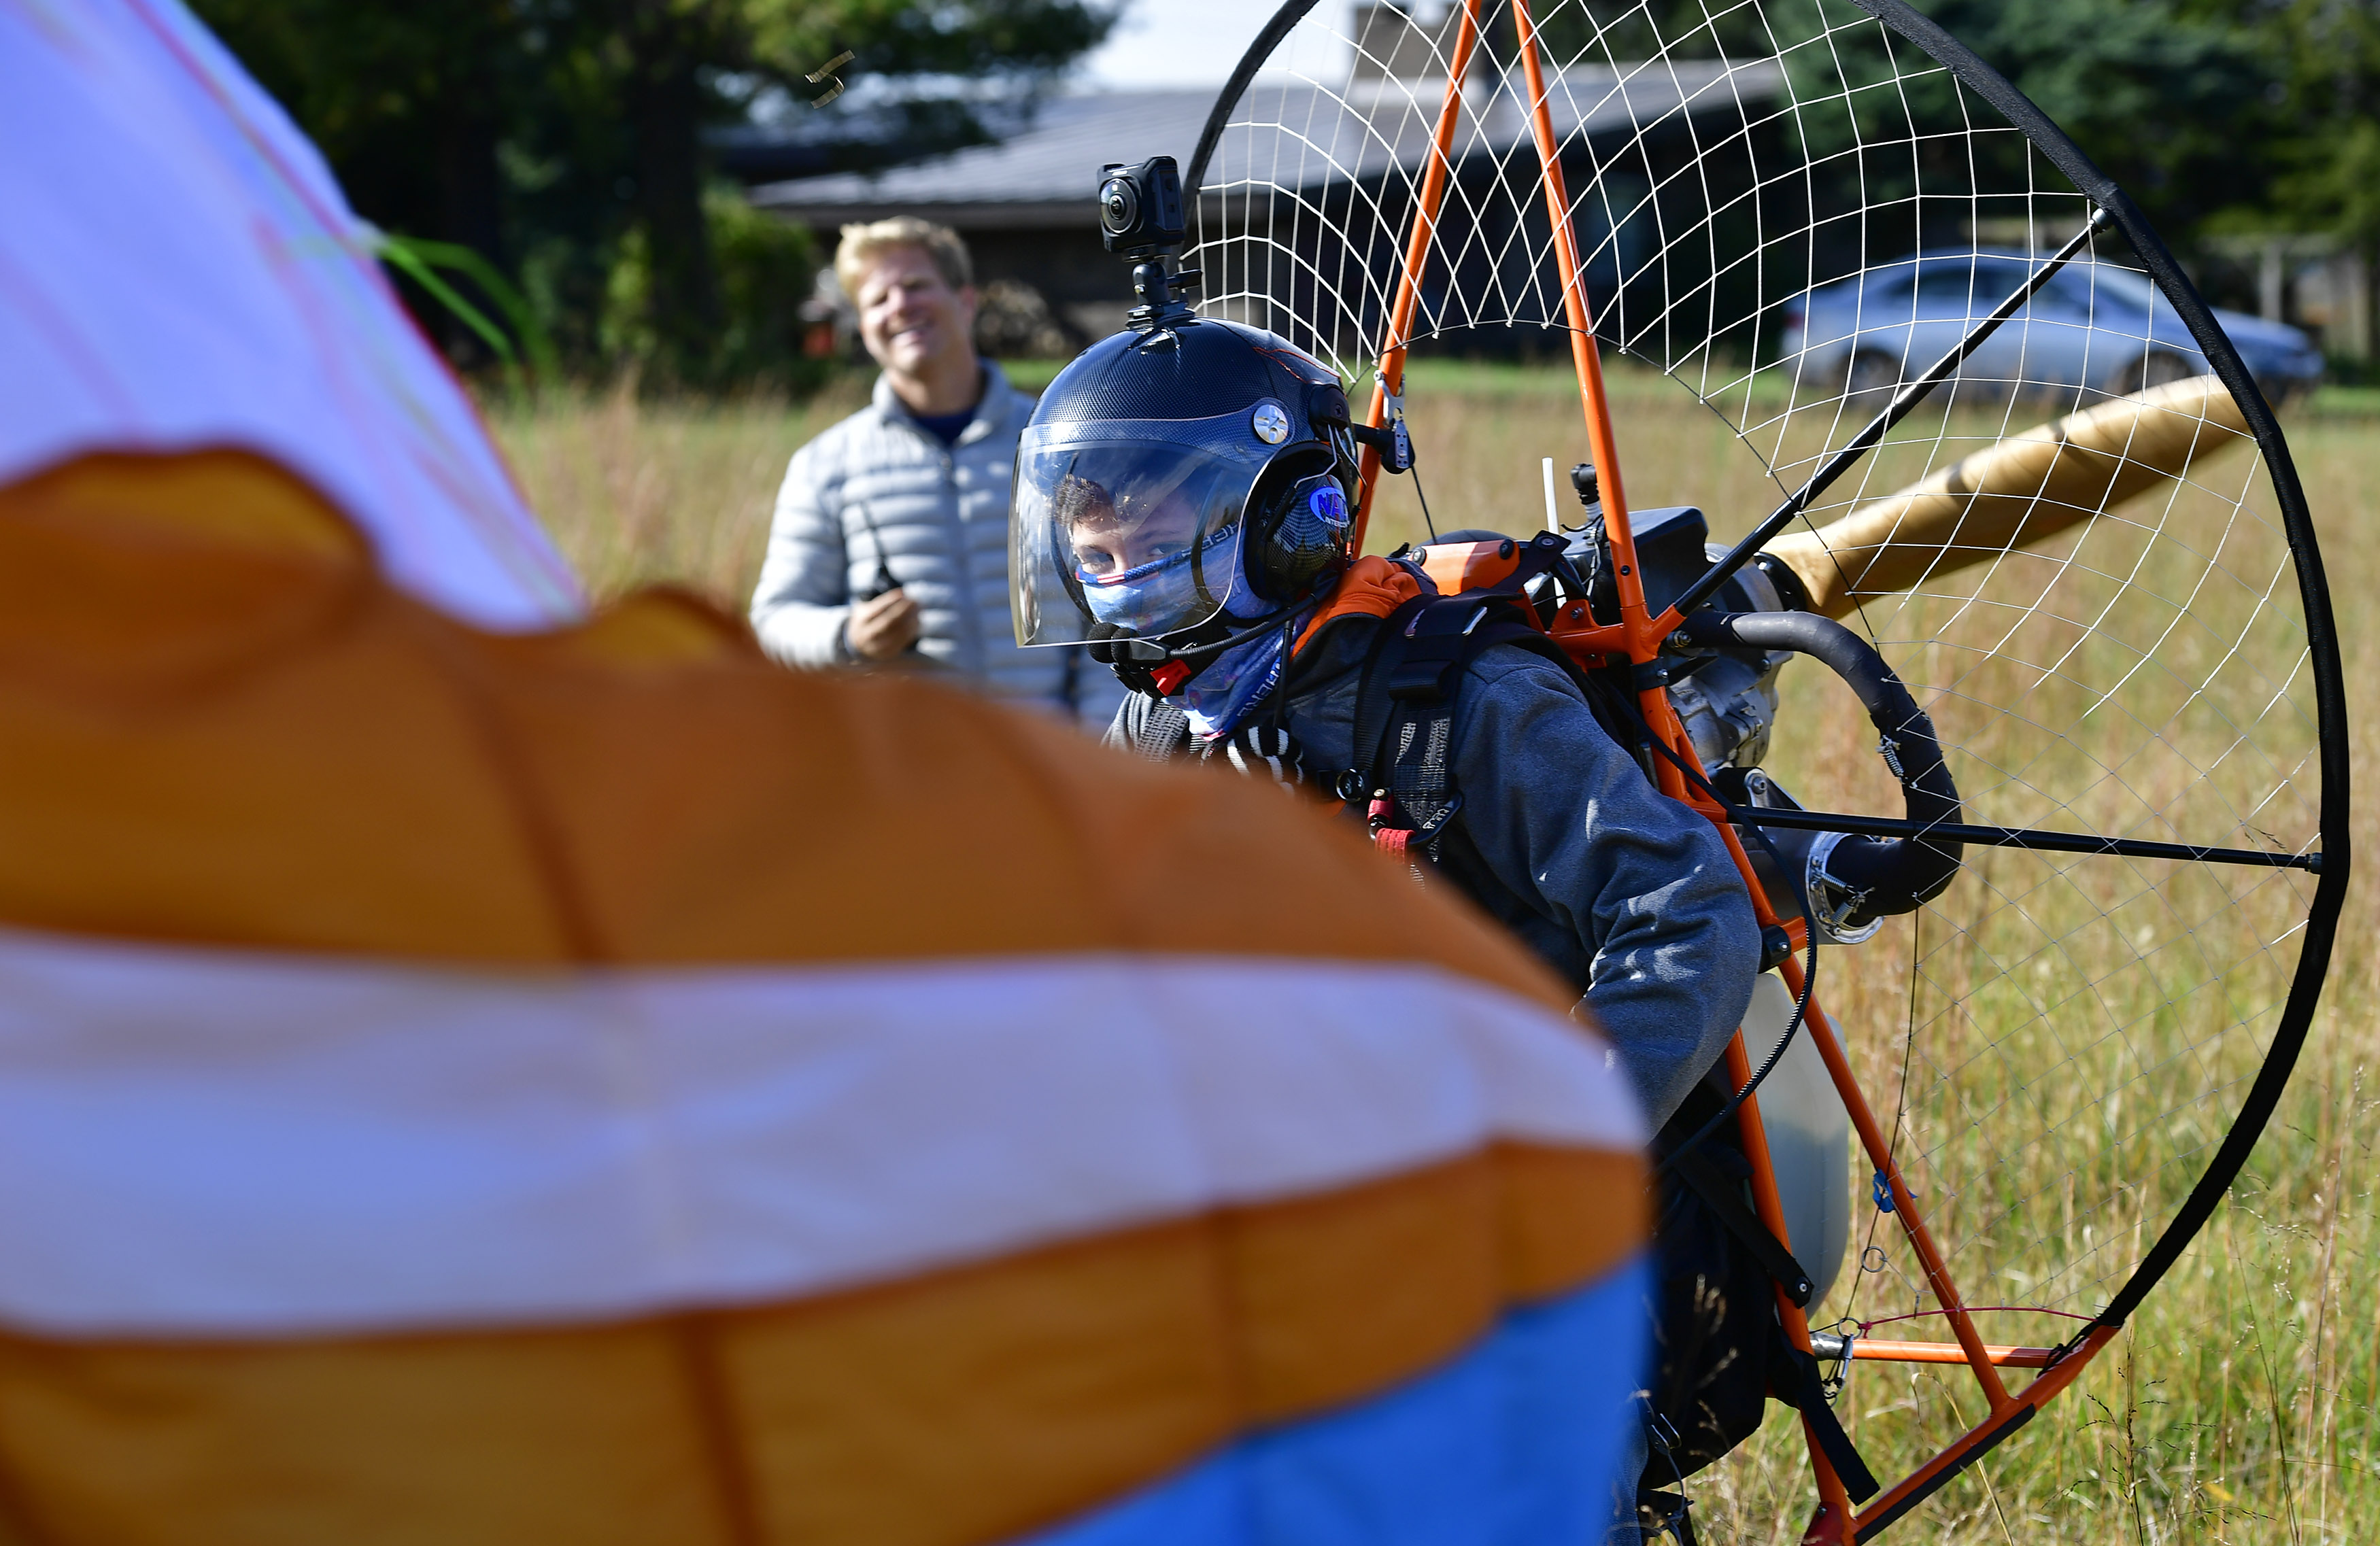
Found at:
<point>1047,173</point>
<point>1289,133</point>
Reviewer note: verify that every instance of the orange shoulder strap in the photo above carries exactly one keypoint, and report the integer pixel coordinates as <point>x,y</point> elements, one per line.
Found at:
<point>1372,587</point>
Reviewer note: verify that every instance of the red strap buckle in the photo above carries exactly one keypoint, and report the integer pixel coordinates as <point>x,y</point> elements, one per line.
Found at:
<point>1169,677</point>
<point>1387,839</point>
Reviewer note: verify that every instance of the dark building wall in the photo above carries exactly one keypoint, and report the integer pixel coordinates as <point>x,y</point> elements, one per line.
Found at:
<point>1088,289</point>
<point>1664,270</point>
<point>1673,260</point>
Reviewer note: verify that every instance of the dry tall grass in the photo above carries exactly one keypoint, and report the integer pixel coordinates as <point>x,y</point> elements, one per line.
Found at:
<point>639,493</point>
<point>2240,1404</point>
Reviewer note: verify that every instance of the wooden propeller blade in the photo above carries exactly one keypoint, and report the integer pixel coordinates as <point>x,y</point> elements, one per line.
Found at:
<point>2027,488</point>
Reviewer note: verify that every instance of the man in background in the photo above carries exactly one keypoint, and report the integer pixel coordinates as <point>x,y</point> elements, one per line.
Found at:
<point>891,535</point>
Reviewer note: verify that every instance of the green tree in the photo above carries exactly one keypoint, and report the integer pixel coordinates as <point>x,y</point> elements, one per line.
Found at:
<point>410,102</point>
<point>2173,104</point>
<point>675,51</point>
<point>2323,140</point>
<point>562,139</point>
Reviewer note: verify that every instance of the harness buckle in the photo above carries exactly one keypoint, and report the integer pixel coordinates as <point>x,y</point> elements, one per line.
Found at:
<point>1405,839</point>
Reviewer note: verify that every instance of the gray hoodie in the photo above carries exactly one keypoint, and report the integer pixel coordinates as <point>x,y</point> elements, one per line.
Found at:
<point>1628,894</point>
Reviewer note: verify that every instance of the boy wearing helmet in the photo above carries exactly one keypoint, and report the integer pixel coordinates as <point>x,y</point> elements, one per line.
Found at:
<point>1183,498</point>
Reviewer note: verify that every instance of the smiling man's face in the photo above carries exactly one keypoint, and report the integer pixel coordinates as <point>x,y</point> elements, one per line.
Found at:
<point>910,318</point>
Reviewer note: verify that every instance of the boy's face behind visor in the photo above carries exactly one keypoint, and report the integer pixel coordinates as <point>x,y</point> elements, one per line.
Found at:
<point>1136,524</point>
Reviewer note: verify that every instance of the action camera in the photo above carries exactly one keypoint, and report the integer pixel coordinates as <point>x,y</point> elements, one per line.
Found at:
<point>1140,208</point>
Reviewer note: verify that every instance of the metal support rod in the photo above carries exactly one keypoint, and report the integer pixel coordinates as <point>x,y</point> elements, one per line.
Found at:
<point>1922,1483</point>
<point>2017,836</point>
<point>1586,354</point>
<point>1644,640</point>
<point>1390,379</point>
<point>1877,428</point>
<point>1821,1031</point>
<point>1830,1346</point>
<point>1765,1199</point>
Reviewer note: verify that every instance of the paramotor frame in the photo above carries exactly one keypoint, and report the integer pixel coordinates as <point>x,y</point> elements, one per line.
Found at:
<point>1430,234</point>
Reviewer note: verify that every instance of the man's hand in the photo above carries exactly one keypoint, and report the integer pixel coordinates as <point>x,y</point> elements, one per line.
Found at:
<point>883,626</point>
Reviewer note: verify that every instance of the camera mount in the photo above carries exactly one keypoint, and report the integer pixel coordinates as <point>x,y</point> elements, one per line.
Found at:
<point>1141,220</point>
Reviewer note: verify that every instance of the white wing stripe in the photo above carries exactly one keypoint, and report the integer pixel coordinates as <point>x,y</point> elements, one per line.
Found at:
<point>199,1142</point>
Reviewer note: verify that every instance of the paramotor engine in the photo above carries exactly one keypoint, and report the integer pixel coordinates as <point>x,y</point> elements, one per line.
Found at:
<point>2019,458</point>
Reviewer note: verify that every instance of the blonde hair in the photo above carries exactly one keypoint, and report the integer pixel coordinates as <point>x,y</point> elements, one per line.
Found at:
<point>861,244</point>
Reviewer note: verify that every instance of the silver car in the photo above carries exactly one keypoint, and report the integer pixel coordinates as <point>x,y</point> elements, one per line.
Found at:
<point>2093,328</point>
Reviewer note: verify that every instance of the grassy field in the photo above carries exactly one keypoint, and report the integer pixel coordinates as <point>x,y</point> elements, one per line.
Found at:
<point>2047,1034</point>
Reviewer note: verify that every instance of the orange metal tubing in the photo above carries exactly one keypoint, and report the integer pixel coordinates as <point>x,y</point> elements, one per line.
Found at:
<point>1879,1153</point>
<point>1766,1202</point>
<point>1828,1527</point>
<point>1595,402</point>
<point>1424,225</point>
<point>1585,352</point>
<point>1917,1480</point>
<point>1641,645</point>
<point>2058,1375</point>
<point>1893,1351</point>
<point>2039,1394</point>
<point>1637,637</point>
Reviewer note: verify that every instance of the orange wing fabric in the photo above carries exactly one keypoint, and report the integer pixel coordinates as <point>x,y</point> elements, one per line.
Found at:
<point>475,1072</point>
<point>861,940</point>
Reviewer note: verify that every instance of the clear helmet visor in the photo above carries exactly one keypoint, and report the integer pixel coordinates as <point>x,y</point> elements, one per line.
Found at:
<point>1129,527</point>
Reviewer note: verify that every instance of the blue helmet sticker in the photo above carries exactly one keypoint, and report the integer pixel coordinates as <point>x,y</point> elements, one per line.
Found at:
<point>1328,505</point>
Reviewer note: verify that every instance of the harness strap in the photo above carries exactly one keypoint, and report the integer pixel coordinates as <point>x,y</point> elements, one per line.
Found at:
<point>1405,704</point>
<point>1371,696</point>
<point>1373,587</point>
<point>1725,1200</point>
<point>1794,1379</point>
<point>1437,643</point>
<point>1401,773</point>
<point>1404,751</point>
<point>1793,1376</point>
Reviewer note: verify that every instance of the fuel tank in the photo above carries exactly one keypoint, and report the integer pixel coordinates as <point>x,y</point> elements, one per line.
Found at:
<point>1809,1136</point>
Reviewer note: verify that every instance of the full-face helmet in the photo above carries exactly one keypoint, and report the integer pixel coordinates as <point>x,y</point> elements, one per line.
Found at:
<point>1177,490</point>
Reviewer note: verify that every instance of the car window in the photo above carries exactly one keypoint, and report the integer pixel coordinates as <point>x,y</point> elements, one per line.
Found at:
<point>2109,283</point>
<point>1980,287</point>
<point>1946,284</point>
